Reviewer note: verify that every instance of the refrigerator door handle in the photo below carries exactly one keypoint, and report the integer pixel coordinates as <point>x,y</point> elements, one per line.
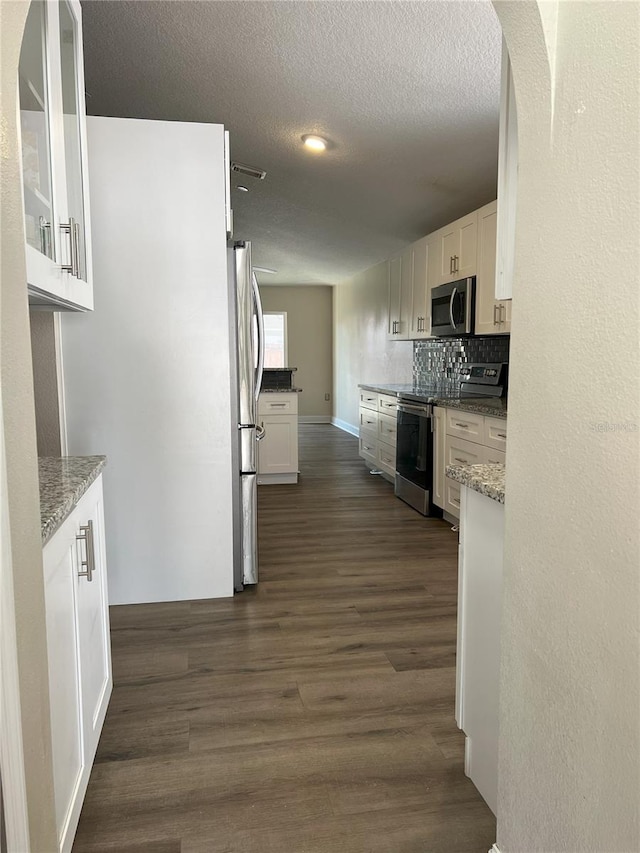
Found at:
<point>260,323</point>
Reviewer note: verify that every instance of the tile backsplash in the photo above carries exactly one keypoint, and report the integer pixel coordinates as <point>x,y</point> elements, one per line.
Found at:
<point>438,361</point>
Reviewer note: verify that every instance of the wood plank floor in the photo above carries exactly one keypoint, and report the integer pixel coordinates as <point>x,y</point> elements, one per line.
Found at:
<point>313,714</point>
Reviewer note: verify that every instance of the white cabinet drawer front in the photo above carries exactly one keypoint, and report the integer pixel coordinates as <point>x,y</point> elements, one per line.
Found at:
<point>388,405</point>
<point>465,425</point>
<point>369,420</point>
<point>369,400</point>
<point>387,429</point>
<point>452,497</point>
<point>368,449</point>
<point>387,458</point>
<point>495,433</point>
<point>278,404</point>
<point>492,456</point>
<point>461,452</point>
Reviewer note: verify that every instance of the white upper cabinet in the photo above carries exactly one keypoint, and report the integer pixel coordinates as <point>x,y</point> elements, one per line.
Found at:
<point>54,165</point>
<point>493,316</point>
<point>421,300</point>
<point>507,183</point>
<point>457,249</point>
<point>400,295</point>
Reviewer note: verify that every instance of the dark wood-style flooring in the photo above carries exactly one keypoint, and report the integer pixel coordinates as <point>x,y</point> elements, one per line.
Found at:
<point>313,714</point>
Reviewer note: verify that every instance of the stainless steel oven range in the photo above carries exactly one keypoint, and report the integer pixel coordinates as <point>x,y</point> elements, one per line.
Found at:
<point>414,455</point>
<point>414,448</point>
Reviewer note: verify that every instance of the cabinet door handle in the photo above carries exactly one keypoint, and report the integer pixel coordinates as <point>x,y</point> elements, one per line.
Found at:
<point>456,266</point>
<point>503,317</point>
<point>76,247</point>
<point>464,426</point>
<point>501,435</point>
<point>451,265</point>
<point>88,566</point>
<point>455,501</point>
<point>277,405</point>
<point>496,314</point>
<point>70,229</point>
<point>260,431</point>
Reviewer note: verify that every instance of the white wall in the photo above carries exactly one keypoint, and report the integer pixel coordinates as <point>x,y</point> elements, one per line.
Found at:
<point>147,374</point>
<point>569,763</point>
<point>362,352</point>
<point>45,382</point>
<point>310,342</point>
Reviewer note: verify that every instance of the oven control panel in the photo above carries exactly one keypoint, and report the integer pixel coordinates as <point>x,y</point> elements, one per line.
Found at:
<point>483,374</point>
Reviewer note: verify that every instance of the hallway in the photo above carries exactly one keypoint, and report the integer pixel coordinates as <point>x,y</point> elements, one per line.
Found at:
<point>313,714</point>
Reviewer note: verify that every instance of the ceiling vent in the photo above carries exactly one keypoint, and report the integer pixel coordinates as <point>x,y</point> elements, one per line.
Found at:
<point>248,170</point>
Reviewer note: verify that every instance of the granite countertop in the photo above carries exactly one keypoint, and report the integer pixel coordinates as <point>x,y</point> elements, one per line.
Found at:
<point>63,481</point>
<point>493,406</point>
<point>486,479</point>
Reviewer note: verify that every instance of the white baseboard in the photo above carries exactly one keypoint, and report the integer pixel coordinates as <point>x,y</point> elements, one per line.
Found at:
<point>347,427</point>
<point>314,419</point>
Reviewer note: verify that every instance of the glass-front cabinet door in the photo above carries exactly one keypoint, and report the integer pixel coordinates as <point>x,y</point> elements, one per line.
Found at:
<point>35,133</point>
<point>72,110</point>
<point>54,162</point>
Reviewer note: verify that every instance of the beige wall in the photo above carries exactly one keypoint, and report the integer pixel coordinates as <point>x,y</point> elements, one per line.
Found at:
<point>362,352</point>
<point>569,764</point>
<point>20,499</point>
<point>45,382</point>
<point>310,341</point>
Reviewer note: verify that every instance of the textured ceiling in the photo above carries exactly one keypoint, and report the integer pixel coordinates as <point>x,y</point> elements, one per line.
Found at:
<point>406,92</point>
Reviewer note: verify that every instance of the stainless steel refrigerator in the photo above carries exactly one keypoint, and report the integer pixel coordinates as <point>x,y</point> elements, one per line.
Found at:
<point>248,367</point>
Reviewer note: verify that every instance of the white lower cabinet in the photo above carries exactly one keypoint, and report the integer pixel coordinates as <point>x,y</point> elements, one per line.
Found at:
<point>378,427</point>
<point>278,450</point>
<point>463,438</point>
<point>79,653</point>
<point>478,649</point>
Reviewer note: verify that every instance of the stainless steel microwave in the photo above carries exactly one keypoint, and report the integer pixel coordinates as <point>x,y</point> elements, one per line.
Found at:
<point>453,308</point>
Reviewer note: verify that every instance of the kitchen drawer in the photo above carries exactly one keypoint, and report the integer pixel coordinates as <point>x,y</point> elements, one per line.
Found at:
<point>388,405</point>
<point>495,433</point>
<point>452,497</point>
<point>491,455</point>
<point>387,429</point>
<point>458,451</point>
<point>387,458</point>
<point>369,449</point>
<point>278,404</point>
<point>465,425</point>
<point>369,400</point>
<point>369,420</point>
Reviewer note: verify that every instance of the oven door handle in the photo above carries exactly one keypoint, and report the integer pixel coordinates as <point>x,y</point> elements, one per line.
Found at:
<point>454,325</point>
<point>419,410</point>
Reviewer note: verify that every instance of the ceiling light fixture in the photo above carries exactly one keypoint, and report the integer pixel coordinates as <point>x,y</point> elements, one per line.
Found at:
<point>314,143</point>
<point>242,188</point>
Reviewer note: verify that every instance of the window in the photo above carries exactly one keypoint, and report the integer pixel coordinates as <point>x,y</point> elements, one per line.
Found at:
<point>275,339</point>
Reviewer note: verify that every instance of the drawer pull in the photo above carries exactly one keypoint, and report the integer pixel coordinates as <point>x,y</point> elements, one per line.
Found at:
<point>277,405</point>
<point>88,566</point>
<point>455,501</point>
<point>464,426</point>
<point>501,435</point>
<point>462,461</point>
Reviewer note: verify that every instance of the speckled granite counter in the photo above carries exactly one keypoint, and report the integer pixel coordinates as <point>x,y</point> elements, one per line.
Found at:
<point>63,481</point>
<point>486,479</point>
<point>495,407</point>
